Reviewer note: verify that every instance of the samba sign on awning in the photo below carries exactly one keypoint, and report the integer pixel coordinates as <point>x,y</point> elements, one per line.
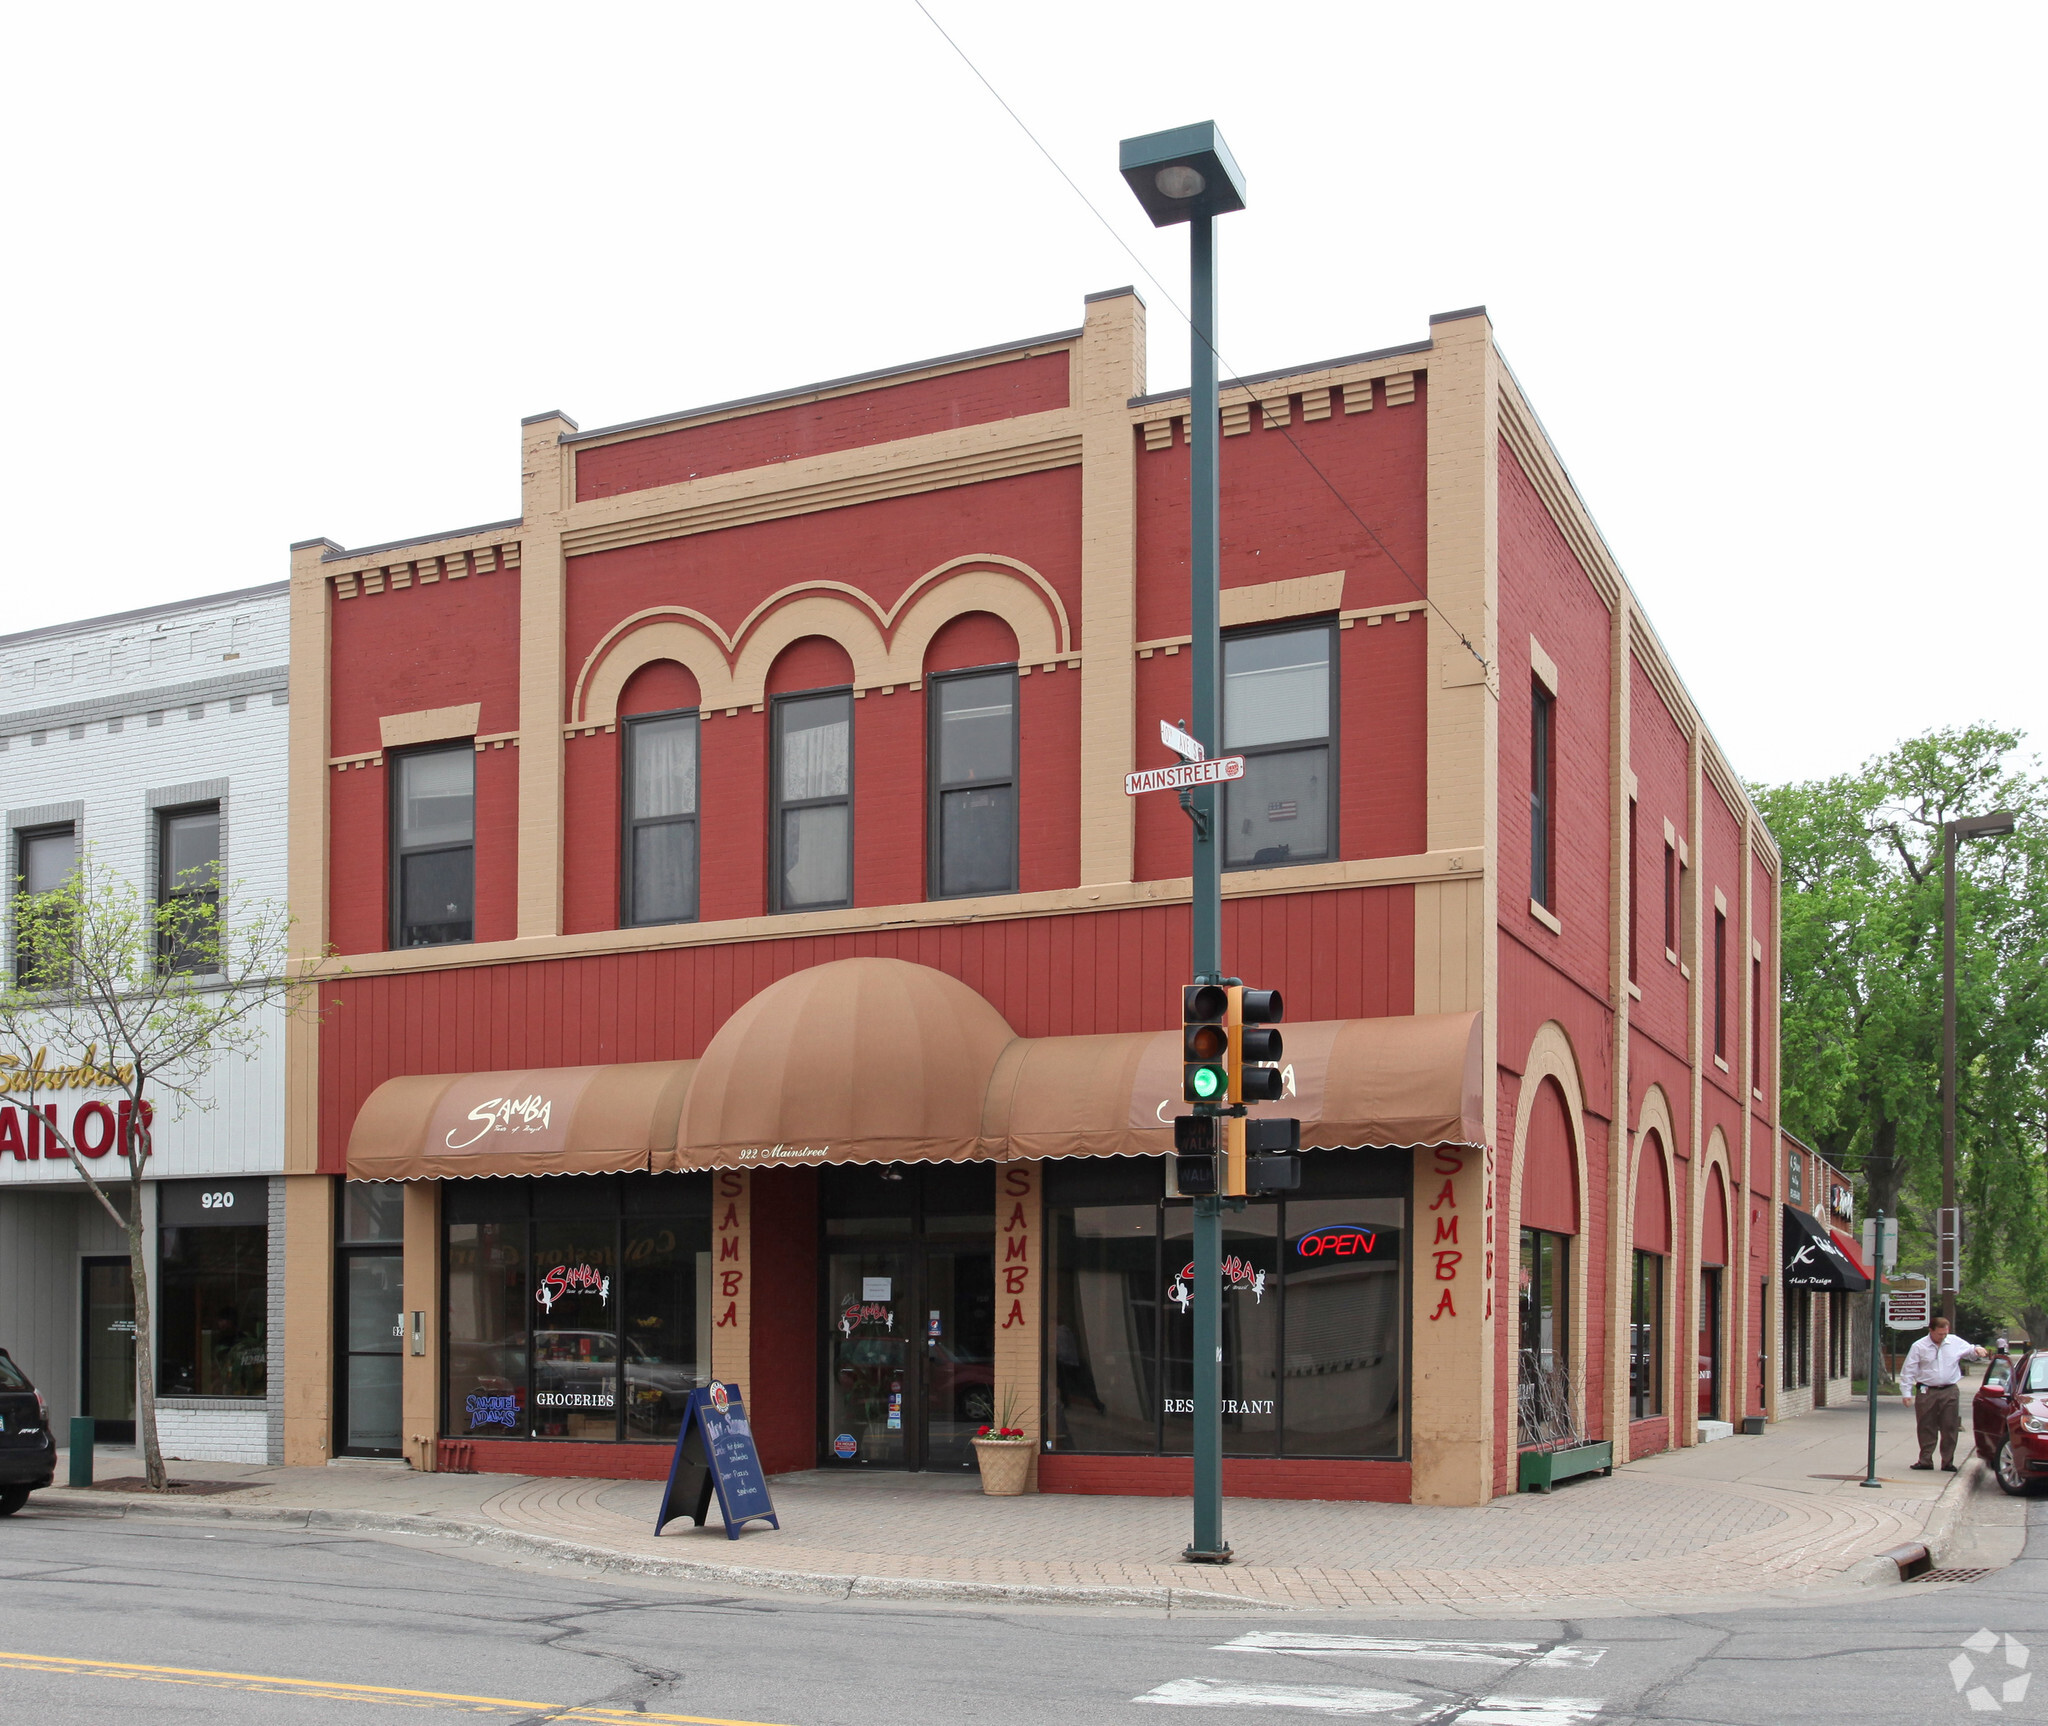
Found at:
<point>1188,773</point>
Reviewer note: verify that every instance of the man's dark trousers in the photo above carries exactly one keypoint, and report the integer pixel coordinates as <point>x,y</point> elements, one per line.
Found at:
<point>1936,1411</point>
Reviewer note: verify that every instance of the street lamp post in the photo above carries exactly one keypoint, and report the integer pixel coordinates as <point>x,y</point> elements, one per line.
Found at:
<point>1949,1229</point>
<point>1187,175</point>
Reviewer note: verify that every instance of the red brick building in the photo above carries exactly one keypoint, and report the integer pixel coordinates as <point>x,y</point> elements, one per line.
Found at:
<point>735,846</point>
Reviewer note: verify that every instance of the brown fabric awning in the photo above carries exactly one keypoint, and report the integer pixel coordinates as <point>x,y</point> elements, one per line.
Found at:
<point>876,1060</point>
<point>1401,1081</point>
<point>856,1061</point>
<point>541,1121</point>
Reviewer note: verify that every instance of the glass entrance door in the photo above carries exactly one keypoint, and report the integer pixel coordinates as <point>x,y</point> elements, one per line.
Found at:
<point>870,1398</point>
<point>109,1376</point>
<point>372,1327</point>
<point>959,1310</point>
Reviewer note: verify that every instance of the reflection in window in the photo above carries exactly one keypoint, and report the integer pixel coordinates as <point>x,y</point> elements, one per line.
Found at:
<point>1314,1309</point>
<point>1277,715</point>
<point>578,1307</point>
<point>213,1310</point>
<point>661,819</point>
<point>974,784</point>
<point>188,888</point>
<point>434,828</point>
<point>45,861</point>
<point>813,801</point>
<point>1646,1338</point>
<point>1543,1392</point>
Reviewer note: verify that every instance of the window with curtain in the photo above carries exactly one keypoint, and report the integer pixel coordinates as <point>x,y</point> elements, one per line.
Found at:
<point>660,800</point>
<point>44,860</point>
<point>188,887</point>
<point>1646,1337</point>
<point>434,847</point>
<point>973,815</point>
<point>1279,714</point>
<point>813,819</point>
<point>1544,1398</point>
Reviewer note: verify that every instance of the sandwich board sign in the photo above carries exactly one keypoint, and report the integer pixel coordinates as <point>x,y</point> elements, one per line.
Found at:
<point>715,1452</point>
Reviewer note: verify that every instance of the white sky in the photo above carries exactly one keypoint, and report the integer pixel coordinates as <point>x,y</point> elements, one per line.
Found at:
<point>1770,275</point>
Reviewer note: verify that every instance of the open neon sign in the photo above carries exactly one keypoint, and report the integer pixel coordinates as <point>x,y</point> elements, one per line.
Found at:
<point>1338,1241</point>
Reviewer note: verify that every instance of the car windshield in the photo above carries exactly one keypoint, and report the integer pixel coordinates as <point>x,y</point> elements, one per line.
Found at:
<point>11,1376</point>
<point>2037,1372</point>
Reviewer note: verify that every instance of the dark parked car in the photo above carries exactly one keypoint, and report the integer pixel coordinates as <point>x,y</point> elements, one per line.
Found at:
<point>28,1454</point>
<point>2009,1420</point>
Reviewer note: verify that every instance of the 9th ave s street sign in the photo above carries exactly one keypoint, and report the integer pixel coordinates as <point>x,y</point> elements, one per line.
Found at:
<point>1186,774</point>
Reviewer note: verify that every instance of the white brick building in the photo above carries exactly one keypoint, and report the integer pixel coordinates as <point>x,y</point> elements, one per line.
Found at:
<point>148,737</point>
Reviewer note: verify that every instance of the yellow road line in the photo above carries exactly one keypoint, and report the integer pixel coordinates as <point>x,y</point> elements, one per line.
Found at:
<point>328,1689</point>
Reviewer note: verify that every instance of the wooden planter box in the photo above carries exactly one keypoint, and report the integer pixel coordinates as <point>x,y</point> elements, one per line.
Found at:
<point>1543,1469</point>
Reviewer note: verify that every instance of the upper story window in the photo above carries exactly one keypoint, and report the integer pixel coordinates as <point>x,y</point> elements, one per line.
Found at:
<point>1635,890</point>
<point>1279,713</point>
<point>433,851</point>
<point>660,850</point>
<point>188,887</point>
<point>1542,823</point>
<point>1720,985</point>
<point>45,859</point>
<point>1670,900</point>
<point>973,816</point>
<point>812,868</point>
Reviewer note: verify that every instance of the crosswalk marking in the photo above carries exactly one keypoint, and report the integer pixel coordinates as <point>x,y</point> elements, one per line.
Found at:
<point>1415,1648</point>
<point>1570,1657</point>
<point>1313,1698</point>
<point>1528,1711</point>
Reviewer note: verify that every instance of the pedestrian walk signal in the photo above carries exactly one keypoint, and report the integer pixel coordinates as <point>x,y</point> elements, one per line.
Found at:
<point>1205,1043</point>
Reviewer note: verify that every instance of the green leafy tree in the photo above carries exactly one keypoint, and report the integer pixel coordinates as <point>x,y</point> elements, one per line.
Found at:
<point>1861,1027</point>
<point>111,990</point>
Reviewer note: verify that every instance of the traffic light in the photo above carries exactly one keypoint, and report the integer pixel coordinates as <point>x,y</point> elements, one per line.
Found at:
<point>1255,1046</point>
<point>1269,1167</point>
<point>1205,1042</point>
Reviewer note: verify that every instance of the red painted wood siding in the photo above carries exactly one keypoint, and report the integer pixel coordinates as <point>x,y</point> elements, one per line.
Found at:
<point>1653,1199</point>
<point>1348,954</point>
<point>966,398</point>
<point>1550,1188</point>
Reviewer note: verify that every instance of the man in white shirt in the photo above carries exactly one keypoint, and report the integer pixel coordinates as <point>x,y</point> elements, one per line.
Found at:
<point>1934,1369</point>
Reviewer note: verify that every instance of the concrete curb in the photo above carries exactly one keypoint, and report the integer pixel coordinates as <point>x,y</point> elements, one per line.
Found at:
<point>842,1585</point>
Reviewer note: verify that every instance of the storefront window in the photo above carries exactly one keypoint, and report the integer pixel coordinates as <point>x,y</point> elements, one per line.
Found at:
<point>213,1283</point>
<point>1543,1390</point>
<point>1314,1310</point>
<point>1646,1338</point>
<point>576,1305</point>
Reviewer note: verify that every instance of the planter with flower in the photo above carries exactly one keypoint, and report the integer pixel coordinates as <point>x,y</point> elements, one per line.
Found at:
<point>1003,1449</point>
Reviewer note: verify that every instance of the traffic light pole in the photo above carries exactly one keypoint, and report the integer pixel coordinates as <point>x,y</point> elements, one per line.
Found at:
<point>1206,653</point>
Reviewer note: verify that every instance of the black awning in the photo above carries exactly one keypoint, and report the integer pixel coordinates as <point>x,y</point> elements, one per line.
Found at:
<point>1813,1261</point>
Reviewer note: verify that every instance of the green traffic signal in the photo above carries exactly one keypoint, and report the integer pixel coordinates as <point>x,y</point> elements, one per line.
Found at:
<point>1205,1084</point>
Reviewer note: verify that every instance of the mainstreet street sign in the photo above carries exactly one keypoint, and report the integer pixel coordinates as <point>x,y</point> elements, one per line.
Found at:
<point>1187,774</point>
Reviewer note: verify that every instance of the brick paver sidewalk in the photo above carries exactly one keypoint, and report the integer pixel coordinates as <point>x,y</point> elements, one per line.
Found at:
<point>1737,1520</point>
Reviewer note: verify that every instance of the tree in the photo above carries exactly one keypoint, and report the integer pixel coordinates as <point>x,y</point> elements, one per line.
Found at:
<point>110,990</point>
<point>1861,1024</point>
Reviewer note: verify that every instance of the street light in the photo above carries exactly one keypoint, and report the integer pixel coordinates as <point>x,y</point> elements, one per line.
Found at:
<point>1187,175</point>
<point>1949,1229</point>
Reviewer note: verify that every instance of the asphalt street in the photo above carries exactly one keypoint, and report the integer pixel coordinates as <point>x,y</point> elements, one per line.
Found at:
<point>125,1621</point>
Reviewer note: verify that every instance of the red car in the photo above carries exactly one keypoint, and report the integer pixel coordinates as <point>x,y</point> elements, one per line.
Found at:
<point>2009,1418</point>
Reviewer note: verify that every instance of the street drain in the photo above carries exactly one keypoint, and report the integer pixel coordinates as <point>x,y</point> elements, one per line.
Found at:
<point>1952,1574</point>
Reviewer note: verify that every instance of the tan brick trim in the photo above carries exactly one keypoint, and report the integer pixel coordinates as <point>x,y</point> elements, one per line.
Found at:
<point>732,1277</point>
<point>429,725</point>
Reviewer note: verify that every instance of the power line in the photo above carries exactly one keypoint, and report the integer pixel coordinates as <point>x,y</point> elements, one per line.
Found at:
<point>1179,311</point>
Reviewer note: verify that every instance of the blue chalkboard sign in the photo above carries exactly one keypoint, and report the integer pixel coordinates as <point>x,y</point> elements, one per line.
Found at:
<point>715,1451</point>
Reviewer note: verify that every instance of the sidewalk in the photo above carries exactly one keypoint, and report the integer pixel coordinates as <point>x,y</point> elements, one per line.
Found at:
<point>1734,1522</point>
